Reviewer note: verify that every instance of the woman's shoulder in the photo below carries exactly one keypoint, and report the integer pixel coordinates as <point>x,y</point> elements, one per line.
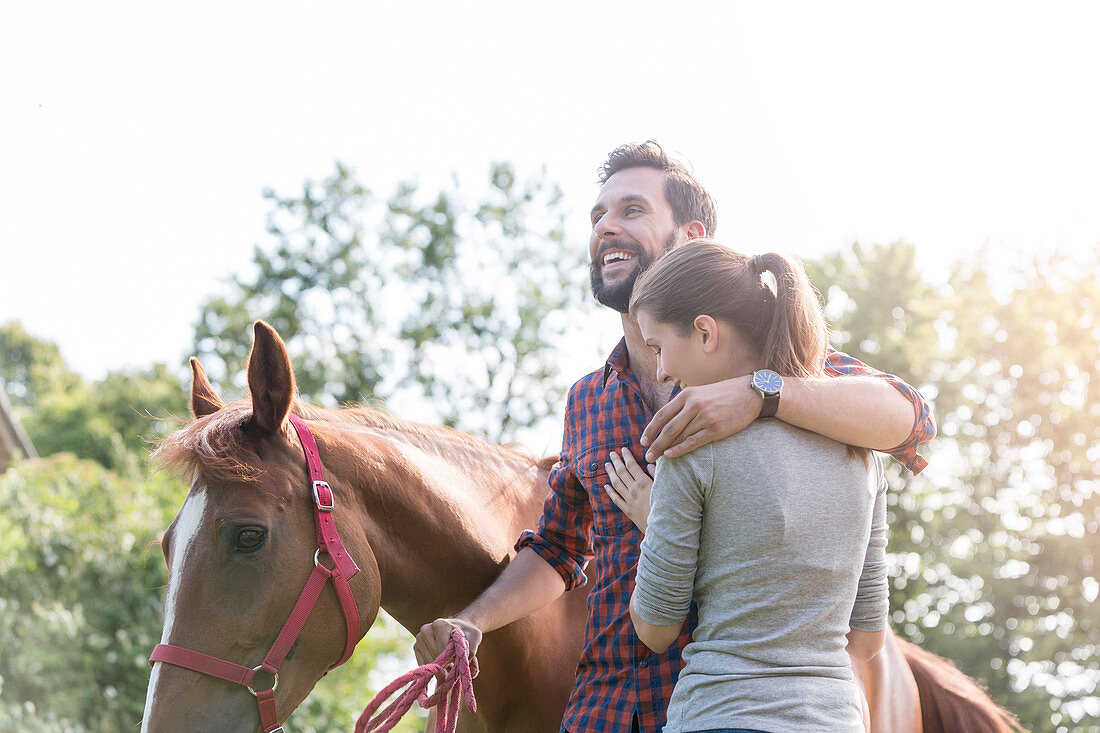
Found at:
<point>774,443</point>
<point>772,432</point>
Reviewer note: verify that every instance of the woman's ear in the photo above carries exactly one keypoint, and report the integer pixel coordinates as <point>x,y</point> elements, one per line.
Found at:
<point>706,328</point>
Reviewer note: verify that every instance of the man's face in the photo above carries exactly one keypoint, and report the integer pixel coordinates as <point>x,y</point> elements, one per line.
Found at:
<point>632,227</point>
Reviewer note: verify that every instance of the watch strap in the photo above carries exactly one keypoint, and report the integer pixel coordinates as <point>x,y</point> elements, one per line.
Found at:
<point>770,406</point>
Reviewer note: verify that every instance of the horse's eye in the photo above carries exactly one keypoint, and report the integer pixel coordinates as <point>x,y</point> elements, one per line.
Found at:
<point>249,539</point>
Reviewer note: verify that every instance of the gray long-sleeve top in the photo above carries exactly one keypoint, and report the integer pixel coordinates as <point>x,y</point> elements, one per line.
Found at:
<point>779,534</point>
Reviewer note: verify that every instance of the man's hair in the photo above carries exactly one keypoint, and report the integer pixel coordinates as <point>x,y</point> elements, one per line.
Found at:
<point>689,200</point>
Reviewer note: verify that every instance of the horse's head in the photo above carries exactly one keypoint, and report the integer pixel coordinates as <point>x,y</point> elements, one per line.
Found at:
<point>240,552</point>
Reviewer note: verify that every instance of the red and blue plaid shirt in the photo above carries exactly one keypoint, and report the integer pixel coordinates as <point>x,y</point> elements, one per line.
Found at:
<point>617,674</point>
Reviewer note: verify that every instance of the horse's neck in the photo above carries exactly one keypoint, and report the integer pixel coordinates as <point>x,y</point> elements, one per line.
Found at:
<point>440,522</point>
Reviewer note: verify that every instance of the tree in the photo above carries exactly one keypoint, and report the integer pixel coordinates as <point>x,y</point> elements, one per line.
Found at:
<point>1023,511</point>
<point>31,367</point>
<point>142,405</point>
<point>80,580</point>
<point>112,421</point>
<point>438,303</point>
<point>994,547</point>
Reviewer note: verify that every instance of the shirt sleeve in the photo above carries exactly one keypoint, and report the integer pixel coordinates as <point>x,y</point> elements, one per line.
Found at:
<point>564,535</point>
<point>839,364</point>
<point>670,550</point>
<point>873,596</point>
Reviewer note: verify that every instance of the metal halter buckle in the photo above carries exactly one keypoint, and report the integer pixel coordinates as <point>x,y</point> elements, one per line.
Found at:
<point>320,504</point>
<point>274,684</point>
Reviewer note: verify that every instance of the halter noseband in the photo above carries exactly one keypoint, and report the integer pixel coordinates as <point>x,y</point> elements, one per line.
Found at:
<point>344,568</point>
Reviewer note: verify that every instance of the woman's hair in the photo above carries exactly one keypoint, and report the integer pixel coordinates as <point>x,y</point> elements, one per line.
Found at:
<point>700,277</point>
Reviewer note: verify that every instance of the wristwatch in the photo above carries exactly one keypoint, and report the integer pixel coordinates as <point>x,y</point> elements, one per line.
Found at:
<point>769,385</point>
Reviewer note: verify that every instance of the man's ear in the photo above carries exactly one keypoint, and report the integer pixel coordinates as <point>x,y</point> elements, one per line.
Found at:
<point>694,229</point>
<point>707,329</point>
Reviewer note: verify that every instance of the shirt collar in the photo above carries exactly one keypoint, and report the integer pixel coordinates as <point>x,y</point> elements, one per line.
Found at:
<point>619,361</point>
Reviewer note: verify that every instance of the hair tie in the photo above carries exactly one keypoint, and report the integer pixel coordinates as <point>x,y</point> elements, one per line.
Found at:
<point>759,267</point>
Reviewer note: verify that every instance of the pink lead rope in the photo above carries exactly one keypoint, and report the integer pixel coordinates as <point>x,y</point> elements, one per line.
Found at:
<point>454,673</point>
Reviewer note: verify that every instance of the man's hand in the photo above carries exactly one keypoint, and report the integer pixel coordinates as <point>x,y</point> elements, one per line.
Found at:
<point>434,637</point>
<point>701,415</point>
<point>630,486</point>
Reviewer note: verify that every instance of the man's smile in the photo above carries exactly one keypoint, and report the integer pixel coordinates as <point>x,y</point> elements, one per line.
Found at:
<point>618,258</point>
<point>615,256</point>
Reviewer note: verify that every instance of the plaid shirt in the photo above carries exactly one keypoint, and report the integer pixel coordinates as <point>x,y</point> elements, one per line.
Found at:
<point>617,674</point>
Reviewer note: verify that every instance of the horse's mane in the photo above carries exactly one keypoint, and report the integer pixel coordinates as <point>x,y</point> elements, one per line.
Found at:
<point>219,445</point>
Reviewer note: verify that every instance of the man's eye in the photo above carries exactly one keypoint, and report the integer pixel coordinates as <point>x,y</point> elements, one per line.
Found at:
<point>249,539</point>
<point>633,210</point>
<point>596,219</point>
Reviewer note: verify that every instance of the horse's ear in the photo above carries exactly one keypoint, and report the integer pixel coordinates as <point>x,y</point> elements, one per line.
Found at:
<point>270,379</point>
<point>204,400</point>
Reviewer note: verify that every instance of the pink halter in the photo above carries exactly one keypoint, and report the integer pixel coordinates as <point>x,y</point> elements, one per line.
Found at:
<point>344,568</point>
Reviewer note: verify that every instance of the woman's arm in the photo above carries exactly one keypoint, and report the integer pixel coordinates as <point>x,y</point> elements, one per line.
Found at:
<point>864,645</point>
<point>670,551</point>
<point>657,638</point>
<point>868,619</point>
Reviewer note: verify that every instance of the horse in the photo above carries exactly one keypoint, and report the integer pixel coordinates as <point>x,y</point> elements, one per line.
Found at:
<point>428,517</point>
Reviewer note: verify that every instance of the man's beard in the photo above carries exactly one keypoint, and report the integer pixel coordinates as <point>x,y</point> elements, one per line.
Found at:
<point>617,295</point>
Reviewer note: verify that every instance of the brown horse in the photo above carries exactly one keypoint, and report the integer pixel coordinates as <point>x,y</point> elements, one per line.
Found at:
<point>430,516</point>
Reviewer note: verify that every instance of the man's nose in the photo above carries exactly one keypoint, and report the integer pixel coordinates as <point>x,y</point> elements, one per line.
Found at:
<point>607,227</point>
<point>662,376</point>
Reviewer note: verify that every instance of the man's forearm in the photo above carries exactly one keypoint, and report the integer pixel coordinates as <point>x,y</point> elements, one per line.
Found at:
<point>525,586</point>
<point>863,411</point>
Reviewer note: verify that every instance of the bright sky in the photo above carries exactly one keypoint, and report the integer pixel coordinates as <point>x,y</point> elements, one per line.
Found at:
<point>137,137</point>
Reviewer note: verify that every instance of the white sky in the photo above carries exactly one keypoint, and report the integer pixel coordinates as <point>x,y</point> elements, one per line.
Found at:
<point>136,138</point>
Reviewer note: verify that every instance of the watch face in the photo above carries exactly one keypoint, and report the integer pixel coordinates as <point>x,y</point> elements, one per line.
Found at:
<point>767,381</point>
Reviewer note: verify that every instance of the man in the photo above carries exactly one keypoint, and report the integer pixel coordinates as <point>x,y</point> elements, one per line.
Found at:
<point>649,204</point>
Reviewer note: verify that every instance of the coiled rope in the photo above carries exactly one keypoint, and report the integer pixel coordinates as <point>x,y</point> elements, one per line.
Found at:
<point>454,673</point>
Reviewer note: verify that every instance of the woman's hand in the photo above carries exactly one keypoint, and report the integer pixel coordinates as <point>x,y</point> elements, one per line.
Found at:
<point>630,485</point>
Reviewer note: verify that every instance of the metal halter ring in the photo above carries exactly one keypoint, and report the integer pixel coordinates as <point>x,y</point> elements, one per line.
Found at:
<point>274,684</point>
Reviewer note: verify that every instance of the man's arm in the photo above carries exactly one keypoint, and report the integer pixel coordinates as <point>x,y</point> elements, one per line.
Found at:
<point>863,411</point>
<point>866,408</point>
<point>550,561</point>
<point>526,585</point>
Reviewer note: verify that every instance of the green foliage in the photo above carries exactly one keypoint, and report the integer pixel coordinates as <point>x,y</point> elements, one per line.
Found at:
<point>142,405</point>
<point>31,367</point>
<point>880,311</point>
<point>454,308</point>
<point>995,545</point>
<point>112,421</point>
<point>80,593</point>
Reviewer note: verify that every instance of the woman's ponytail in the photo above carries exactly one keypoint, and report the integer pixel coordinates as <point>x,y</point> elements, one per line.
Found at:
<point>795,337</point>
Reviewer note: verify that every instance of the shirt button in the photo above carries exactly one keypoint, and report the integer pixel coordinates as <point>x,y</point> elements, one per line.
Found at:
<point>643,663</point>
<point>592,466</point>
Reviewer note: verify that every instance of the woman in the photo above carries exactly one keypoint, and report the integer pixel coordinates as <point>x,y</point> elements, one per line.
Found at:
<point>777,533</point>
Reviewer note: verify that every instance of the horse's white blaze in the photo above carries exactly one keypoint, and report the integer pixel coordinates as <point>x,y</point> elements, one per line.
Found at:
<point>187,527</point>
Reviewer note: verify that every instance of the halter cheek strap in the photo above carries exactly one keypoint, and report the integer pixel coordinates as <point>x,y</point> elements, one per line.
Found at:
<point>344,568</point>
